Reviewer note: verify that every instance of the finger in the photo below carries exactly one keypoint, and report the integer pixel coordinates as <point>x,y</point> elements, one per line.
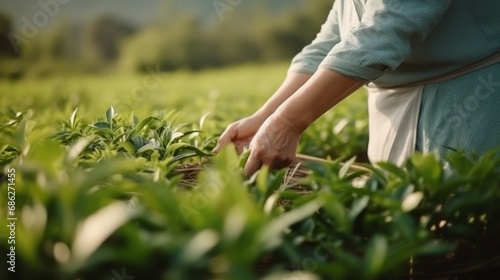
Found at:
<point>241,145</point>
<point>253,164</point>
<point>282,162</point>
<point>226,137</point>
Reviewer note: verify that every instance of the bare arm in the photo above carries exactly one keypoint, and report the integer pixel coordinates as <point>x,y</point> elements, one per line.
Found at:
<point>276,141</point>
<point>324,90</point>
<point>241,132</point>
<point>290,85</point>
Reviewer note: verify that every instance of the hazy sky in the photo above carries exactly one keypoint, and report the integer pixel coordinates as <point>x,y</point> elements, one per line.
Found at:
<point>80,10</point>
<point>134,11</point>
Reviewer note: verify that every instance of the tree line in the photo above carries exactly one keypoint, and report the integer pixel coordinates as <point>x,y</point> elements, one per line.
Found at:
<point>249,34</point>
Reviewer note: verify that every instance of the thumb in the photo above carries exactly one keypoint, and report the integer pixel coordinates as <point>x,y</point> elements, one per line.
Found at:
<point>227,136</point>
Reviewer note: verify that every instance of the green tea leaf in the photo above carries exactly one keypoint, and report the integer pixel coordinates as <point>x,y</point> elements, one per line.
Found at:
<point>101,125</point>
<point>175,136</point>
<point>72,118</point>
<point>138,141</point>
<point>181,157</point>
<point>142,124</point>
<point>375,258</point>
<point>430,169</point>
<point>270,235</point>
<point>289,194</point>
<point>107,220</point>
<point>197,151</point>
<point>9,123</point>
<point>199,245</point>
<point>243,158</point>
<point>175,146</point>
<point>464,200</point>
<point>262,182</point>
<point>392,168</point>
<point>358,206</point>
<point>202,120</point>
<point>411,201</point>
<point>337,211</point>
<point>461,163</point>
<point>8,153</point>
<point>149,147</point>
<point>345,168</point>
<point>129,147</point>
<point>405,225</point>
<point>428,166</point>
<point>77,148</point>
<point>110,114</point>
<point>436,248</point>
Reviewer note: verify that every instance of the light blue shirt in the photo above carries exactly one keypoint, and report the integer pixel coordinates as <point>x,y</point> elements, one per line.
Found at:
<point>396,42</point>
<point>401,41</point>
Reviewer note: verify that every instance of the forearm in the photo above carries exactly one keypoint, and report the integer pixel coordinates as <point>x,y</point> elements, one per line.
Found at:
<point>320,93</point>
<point>290,85</point>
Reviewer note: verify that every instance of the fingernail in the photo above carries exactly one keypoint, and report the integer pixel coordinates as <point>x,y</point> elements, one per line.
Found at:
<point>216,149</point>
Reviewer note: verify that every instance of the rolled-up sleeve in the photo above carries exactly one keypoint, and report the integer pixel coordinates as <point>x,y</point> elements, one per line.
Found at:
<point>387,33</point>
<point>308,60</point>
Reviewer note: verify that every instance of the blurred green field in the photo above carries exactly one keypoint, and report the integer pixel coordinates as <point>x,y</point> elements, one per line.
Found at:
<point>225,94</point>
<point>243,87</point>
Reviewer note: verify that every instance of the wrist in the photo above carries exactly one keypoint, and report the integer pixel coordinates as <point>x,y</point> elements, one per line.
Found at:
<point>293,123</point>
<point>260,116</point>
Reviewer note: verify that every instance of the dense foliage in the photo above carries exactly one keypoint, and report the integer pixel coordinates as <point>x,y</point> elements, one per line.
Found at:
<point>103,195</point>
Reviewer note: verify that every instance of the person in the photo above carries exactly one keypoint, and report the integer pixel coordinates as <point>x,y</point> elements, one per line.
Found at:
<point>430,68</point>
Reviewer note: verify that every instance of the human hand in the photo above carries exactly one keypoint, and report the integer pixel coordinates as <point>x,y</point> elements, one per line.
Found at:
<point>240,133</point>
<point>273,145</point>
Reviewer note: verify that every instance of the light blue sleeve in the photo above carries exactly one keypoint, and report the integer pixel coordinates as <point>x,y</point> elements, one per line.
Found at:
<point>308,60</point>
<point>389,30</point>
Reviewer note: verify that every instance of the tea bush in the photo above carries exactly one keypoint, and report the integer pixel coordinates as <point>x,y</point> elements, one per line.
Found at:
<point>104,196</point>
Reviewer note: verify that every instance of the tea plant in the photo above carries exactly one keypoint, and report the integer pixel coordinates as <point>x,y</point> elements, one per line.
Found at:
<point>106,194</point>
<point>88,216</point>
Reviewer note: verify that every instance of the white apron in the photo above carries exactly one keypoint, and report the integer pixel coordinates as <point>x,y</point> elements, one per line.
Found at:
<point>392,122</point>
<point>393,112</point>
